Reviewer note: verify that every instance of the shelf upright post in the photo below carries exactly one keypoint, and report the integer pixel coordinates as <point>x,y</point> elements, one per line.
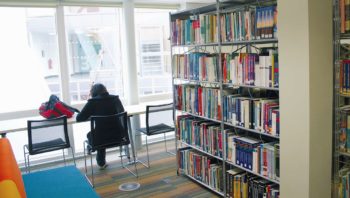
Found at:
<point>173,88</point>
<point>223,139</point>
<point>336,97</point>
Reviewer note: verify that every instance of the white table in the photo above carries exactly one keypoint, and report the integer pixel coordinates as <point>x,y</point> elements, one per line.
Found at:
<point>20,124</point>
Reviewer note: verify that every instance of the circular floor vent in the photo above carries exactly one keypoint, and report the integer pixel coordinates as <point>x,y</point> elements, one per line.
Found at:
<point>130,186</point>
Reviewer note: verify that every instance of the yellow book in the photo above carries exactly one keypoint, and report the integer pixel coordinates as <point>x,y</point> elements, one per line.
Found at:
<point>342,15</point>
<point>347,15</point>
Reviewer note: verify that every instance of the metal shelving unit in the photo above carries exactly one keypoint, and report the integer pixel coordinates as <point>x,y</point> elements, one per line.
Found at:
<point>249,86</point>
<point>254,173</point>
<point>218,8</point>
<point>200,150</point>
<point>205,185</point>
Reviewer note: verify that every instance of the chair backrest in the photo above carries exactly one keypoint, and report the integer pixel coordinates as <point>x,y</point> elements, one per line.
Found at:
<point>109,131</point>
<point>157,115</point>
<point>47,135</point>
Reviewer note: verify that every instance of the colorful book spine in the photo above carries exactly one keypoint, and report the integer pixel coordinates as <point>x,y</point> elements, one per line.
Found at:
<point>196,66</point>
<point>202,168</point>
<point>251,69</point>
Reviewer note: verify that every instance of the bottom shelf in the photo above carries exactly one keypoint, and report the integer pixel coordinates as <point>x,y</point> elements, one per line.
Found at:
<point>203,184</point>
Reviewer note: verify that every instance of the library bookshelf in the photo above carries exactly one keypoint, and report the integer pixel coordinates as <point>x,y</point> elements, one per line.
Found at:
<point>341,135</point>
<point>226,96</point>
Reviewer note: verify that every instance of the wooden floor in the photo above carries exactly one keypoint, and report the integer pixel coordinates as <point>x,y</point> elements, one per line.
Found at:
<point>160,180</point>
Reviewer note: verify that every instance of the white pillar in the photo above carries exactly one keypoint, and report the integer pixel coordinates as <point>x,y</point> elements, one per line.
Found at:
<point>305,55</point>
<point>131,87</point>
<point>64,69</point>
<point>62,48</point>
<point>130,53</point>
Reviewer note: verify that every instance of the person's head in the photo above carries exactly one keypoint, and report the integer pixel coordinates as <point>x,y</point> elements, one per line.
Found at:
<point>98,89</point>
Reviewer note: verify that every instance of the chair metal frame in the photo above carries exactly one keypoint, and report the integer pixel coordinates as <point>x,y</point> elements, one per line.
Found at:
<point>86,143</point>
<point>142,132</point>
<point>28,150</point>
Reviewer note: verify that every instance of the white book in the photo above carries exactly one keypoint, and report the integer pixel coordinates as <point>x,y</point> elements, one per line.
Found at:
<point>274,124</point>
<point>246,114</point>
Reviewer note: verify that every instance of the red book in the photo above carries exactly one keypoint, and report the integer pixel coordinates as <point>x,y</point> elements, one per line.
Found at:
<point>200,106</point>
<point>224,68</point>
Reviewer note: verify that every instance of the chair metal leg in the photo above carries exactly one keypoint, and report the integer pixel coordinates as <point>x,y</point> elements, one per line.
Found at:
<point>147,152</point>
<point>73,156</point>
<point>121,156</point>
<point>25,158</point>
<point>166,148</point>
<point>92,172</point>
<point>28,163</point>
<point>133,155</point>
<point>127,152</point>
<point>121,160</point>
<point>85,157</point>
<point>136,160</point>
<point>64,158</point>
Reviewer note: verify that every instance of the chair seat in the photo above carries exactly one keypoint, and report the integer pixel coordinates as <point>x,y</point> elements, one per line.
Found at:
<point>51,145</point>
<point>157,129</point>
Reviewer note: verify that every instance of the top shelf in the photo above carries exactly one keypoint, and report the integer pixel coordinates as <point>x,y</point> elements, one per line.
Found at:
<point>261,41</point>
<point>224,5</point>
<point>345,36</point>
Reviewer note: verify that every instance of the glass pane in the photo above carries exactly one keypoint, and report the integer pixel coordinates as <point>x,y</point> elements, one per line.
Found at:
<point>29,60</point>
<point>153,51</point>
<point>93,35</point>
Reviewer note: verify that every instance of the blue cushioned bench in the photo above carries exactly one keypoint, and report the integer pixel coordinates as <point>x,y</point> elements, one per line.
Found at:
<point>67,182</point>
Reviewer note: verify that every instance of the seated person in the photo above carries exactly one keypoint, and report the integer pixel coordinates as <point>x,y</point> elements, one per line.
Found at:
<point>101,103</point>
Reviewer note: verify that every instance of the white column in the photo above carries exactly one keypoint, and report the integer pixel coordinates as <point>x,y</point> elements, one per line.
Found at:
<point>131,87</point>
<point>130,53</point>
<point>64,69</point>
<point>305,55</point>
<point>62,48</point>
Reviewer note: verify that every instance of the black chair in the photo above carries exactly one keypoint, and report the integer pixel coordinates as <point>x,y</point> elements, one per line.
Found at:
<point>159,120</point>
<point>46,136</point>
<point>108,132</point>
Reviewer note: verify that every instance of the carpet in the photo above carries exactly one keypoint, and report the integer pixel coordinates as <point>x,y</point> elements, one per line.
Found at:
<point>61,182</point>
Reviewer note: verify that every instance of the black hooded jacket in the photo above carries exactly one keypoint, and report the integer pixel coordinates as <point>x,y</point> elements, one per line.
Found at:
<point>101,105</point>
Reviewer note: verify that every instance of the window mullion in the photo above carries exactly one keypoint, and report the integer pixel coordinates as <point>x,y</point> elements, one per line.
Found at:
<point>64,70</point>
<point>62,46</point>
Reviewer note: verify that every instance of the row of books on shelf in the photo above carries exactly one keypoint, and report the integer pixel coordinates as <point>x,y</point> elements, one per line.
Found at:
<point>196,66</point>
<point>203,168</point>
<point>198,100</point>
<point>252,23</point>
<point>203,134</point>
<point>344,12</point>
<point>344,183</point>
<point>344,77</point>
<point>251,68</point>
<point>247,152</point>
<point>240,184</point>
<point>208,170</point>
<point>344,134</point>
<point>237,68</point>
<point>253,154</point>
<point>198,29</point>
<point>249,24</point>
<point>261,114</point>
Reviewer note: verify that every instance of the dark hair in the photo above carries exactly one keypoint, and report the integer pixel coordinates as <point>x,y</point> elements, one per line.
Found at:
<point>98,89</point>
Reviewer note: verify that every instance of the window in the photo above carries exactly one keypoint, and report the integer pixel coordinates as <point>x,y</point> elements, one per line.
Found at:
<point>29,61</point>
<point>93,37</point>
<point>30,64</point>
<point>153,51</point>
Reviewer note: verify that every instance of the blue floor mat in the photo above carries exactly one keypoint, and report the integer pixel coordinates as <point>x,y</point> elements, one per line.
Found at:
<point>67,182</point>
